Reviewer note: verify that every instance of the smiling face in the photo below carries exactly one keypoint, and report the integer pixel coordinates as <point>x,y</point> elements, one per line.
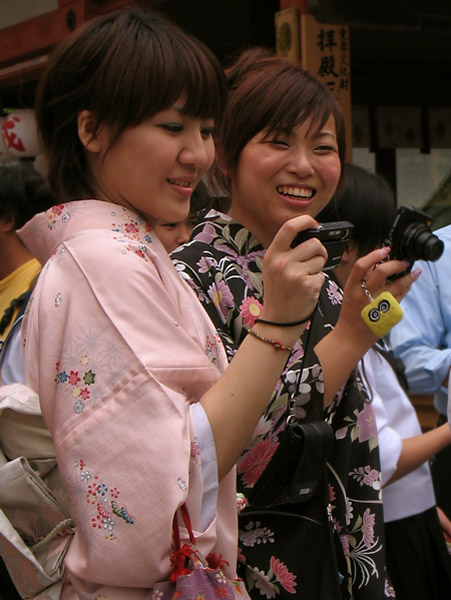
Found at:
<point>283,176</point>
<point>153,167</point>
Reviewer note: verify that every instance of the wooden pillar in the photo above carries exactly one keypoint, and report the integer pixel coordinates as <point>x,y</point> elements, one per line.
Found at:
<point>323,50</point>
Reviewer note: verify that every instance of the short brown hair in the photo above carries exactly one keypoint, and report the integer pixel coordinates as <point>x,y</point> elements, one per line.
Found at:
<point>267,93</point>
<point>124,67</point>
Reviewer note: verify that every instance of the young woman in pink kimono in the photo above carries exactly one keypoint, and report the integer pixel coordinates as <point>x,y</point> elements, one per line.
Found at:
<point>130,372</point>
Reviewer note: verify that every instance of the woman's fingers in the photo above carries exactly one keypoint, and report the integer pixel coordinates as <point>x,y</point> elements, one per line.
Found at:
<point>375,271</point>
<point>286,234</point>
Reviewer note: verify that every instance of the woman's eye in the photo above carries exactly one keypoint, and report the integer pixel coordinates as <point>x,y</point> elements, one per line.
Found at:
<point>280,143</point>
<point>172,127</point>
<point>207,132</point>
<point>169,226</point>
<point>324,149</point>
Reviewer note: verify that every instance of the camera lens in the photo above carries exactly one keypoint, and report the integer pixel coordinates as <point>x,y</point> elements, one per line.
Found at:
<point>419,243</point>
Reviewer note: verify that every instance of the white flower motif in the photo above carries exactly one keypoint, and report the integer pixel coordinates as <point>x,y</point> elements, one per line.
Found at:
<point>108,523</point>
<point>85,476</point>
<point>263,583</point>
<point>259,535</point>
<point>220,577</point>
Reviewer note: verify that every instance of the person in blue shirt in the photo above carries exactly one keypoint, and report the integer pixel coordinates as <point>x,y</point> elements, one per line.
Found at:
<point>423,341</point>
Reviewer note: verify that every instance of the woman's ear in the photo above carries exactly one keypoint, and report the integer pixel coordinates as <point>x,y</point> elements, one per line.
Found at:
<point>7,224</point>
<point>90,135</point>
<point>349,252</point>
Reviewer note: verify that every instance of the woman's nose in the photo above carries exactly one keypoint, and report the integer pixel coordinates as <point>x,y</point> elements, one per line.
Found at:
<point>184,233</point>
<point>301,164</point>
<point>198,152</point>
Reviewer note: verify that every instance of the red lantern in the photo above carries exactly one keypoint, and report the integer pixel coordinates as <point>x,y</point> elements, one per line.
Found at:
<point>20,133</point>
<point>5,155</point>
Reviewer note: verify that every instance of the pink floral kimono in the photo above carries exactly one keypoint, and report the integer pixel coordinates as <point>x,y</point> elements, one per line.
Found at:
<point>120,351</point>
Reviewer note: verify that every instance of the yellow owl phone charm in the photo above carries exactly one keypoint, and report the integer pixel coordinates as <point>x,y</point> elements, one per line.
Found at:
<point>382,313</point>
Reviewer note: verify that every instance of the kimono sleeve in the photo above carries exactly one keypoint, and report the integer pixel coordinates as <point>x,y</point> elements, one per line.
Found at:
<point>115,351</point>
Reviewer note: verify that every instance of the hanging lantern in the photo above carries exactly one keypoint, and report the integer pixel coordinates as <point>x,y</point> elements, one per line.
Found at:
<point>20,133</point>
<point>5,155</point>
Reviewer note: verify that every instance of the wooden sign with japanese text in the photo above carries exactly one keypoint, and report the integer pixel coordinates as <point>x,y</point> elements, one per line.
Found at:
<point>325,54</point>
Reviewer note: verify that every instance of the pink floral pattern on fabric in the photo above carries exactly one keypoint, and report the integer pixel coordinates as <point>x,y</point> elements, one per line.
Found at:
<point>133,231</point>
<point>366,423</point>
<point>52,213</point>
<point>221,296</point>
<point>250,309</point>
<point>79,382</point>
<point>109,511</point>
<point>252,464</point>
<point>268,582</point>
<point>286,579</point>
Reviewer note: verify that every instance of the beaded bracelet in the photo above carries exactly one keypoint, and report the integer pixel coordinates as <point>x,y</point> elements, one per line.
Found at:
<point>289,324</point>
<point>277,345</point>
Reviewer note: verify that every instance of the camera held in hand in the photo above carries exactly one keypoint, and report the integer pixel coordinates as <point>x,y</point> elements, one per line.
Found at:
<point>411,238</point>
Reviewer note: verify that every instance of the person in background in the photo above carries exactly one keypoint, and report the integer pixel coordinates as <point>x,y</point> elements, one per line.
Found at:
<point>144,410</point>
<point>280,147</point>
<point>172,235</point>
<point>23,193</point>
<point>423,341</point>
<point>418,562</point>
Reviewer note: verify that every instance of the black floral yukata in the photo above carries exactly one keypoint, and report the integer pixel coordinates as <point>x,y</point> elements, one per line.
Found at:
<point>283,551</point>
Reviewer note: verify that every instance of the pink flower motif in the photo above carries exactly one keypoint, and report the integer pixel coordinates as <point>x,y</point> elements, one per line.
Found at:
<point>368,528</point>
<point>334,293</point>
<point>195,452</point>
<point>250,309</point>
<point>74,378</point>
<point>205,263</point>
<point>345,543</point>
<point>367,476</point>
<point>366,423</point>
<point>287,579</point>
<point>58,209</point>
<point>254,462</point>
<point>221,296</point>
<point>332,494</point>
<point>85,393</point>
<point>371,478</point>
<point>207,234</point>
<point>130,228</point>
<point>389,592</point>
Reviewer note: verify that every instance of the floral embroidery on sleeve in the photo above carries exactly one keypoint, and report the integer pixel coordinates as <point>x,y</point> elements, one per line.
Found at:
<point>79,382</point>
<point>108,508</point>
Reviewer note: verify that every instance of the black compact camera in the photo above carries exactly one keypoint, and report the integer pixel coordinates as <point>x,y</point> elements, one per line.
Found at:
<point>334,237</point>
<point>411,238</point>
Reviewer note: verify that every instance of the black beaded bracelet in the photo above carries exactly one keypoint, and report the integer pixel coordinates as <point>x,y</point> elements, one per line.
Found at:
<point>291,324</point>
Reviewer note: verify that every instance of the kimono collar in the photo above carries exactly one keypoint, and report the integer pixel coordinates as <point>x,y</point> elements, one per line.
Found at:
<point>47,230</point>
<point>218,228</point>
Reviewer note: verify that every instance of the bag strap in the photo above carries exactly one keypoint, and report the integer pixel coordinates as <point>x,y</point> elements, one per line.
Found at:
<point>175,527</point>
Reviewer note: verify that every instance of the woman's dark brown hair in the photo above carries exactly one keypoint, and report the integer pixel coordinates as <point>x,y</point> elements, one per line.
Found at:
<point>267,93</point>
<point>123,67</point>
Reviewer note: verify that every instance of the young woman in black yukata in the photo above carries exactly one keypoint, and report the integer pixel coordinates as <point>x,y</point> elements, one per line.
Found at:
<point>280,151</point>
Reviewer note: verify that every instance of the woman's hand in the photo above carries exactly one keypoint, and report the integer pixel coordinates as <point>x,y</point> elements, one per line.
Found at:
<point>372,270</point>
<point>340,351</point>
<point>293,276</point>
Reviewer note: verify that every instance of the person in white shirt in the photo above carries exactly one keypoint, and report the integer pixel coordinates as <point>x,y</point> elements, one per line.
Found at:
<point>417,559</point>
